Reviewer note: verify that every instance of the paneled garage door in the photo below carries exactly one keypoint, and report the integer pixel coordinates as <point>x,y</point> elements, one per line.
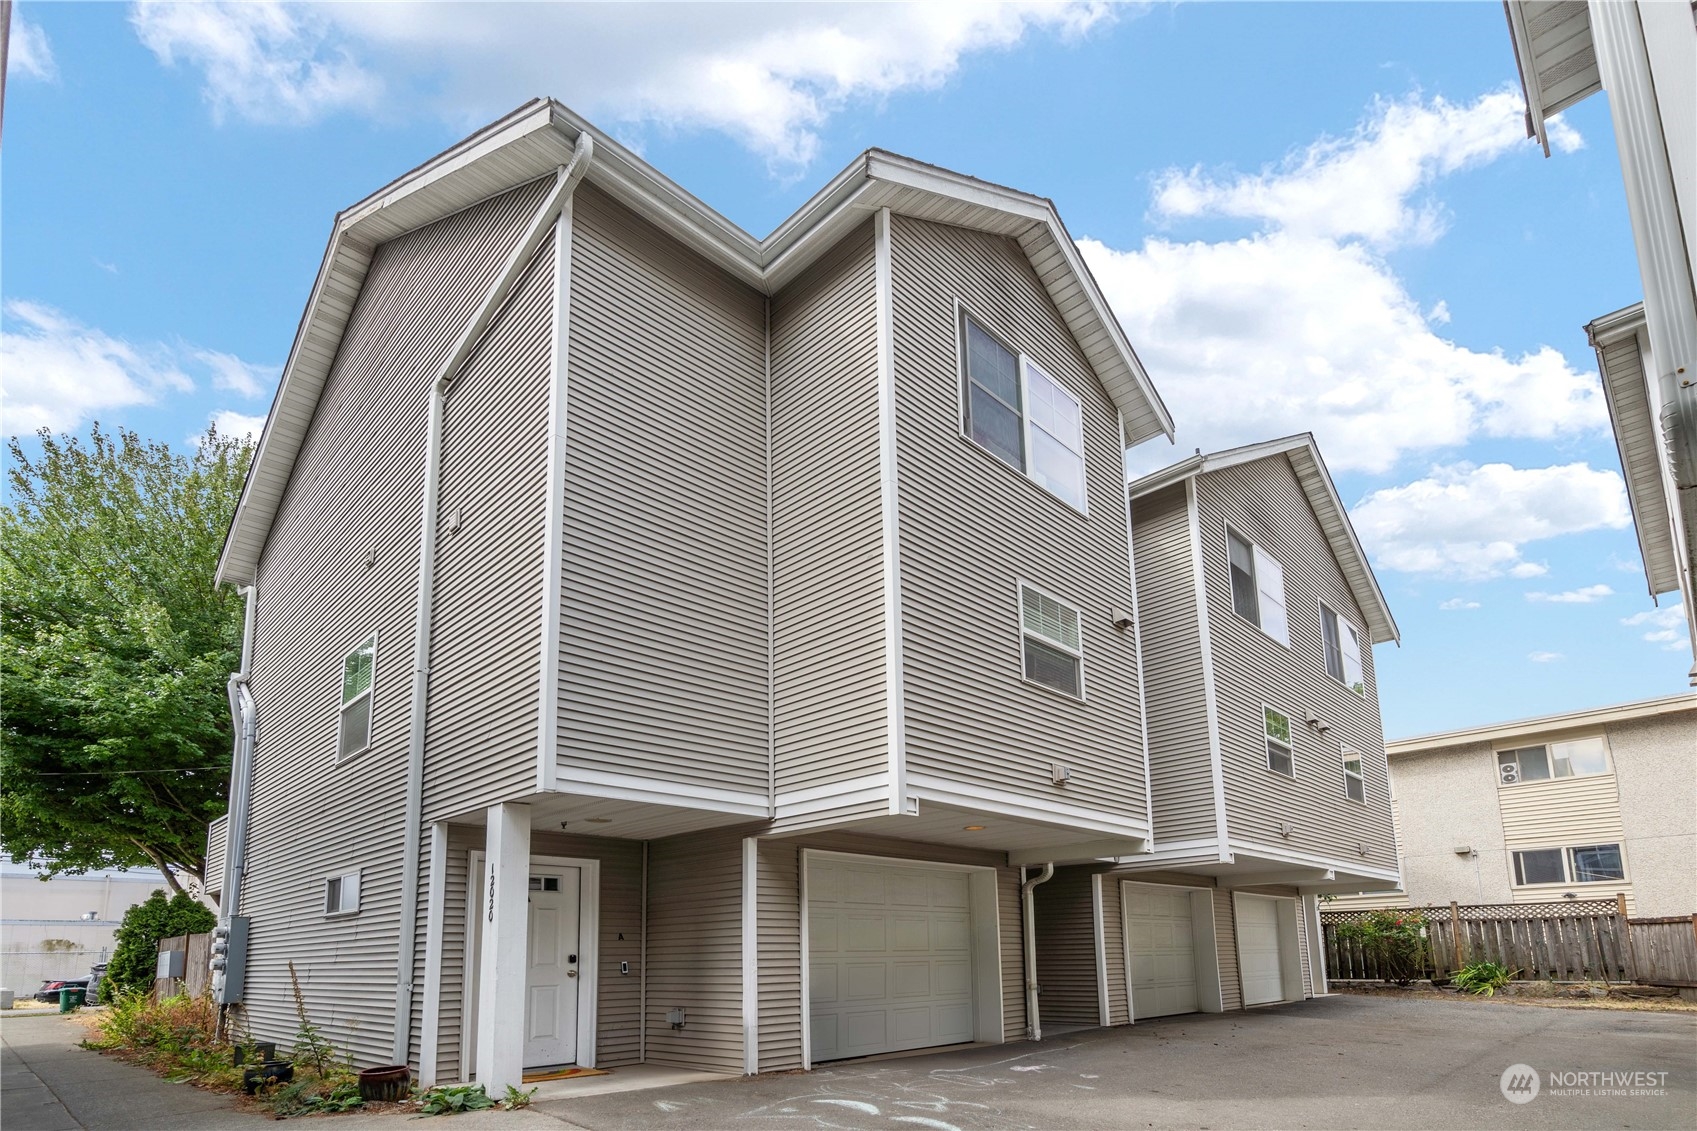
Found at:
<point>1162,942</point>
<point>889,957</point>
<point>1258,950</point>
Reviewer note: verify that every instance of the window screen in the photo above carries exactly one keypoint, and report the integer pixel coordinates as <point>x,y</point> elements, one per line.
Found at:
<point>1052,645</point>
<point>992,396</point>
<point>358,670</point>
<point>1539,866</point>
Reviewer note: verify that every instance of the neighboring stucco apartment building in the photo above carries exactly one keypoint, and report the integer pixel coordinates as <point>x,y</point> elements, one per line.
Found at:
<point>1643,55</point>
<point>1582,805</point>
<point>57,927</point>
<point>702,648</point>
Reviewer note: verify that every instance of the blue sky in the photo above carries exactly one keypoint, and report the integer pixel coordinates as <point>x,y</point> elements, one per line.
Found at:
<point>1308,217</point>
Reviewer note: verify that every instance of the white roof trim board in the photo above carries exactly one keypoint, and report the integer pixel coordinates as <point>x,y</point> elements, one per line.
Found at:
<point>1304,456</point>
<point>1555,56</point>
<point>1545,724</point>
<point>1620,341</point>
<point>539,137</point>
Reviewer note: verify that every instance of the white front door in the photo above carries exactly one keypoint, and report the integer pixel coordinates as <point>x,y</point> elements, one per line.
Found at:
<point>551,970</point>
<point>1258,952</point>
<point>1162,942</point>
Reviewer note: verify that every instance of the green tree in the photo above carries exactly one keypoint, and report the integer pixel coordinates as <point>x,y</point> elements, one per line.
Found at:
<point>135,957</point>
<point>115,646</point>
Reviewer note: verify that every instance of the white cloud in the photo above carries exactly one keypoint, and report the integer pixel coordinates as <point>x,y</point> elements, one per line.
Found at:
<point>238,424</point>
<point>1589,595</point>
<point>231,372</point>
<point>1544,657</point>
<point>59,372</point>
<point>1472,523</point>
<point>1666,626</point>
<point>28,53</point>
<point>1456,603</point>
<point>768,75</point>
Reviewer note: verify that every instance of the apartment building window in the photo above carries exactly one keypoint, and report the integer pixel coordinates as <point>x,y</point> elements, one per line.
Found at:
<point>1021,415</point>
<point>1354,785</point>
<point>1580,864</point>
<point>1579,758</point>
<point>358,669</point>
<point>1258,587</point>
<point>1051,642</point>
<point>1278,742</point>
<point>1342,645</point>
<point>341,894</point>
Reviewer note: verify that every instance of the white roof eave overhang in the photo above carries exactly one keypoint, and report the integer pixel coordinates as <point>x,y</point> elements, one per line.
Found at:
<point>1304,456</point>
<point>539,137</point>
<point>1555,57</point>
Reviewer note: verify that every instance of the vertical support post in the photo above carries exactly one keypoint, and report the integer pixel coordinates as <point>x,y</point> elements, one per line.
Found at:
<point>1455,929</point>
<point>435,936</point>
<point>501,974</point>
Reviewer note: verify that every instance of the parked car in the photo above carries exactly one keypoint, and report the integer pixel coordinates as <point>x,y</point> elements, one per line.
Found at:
<point>49,991</point>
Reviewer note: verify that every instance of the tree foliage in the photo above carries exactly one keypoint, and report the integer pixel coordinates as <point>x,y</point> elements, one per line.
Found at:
<point>136,955</point>
<point>115,646</point>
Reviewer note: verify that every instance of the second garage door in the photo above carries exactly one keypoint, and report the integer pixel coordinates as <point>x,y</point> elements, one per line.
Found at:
<point>1258,950</point>
<point>889,958</point>
<point>1162,942</point>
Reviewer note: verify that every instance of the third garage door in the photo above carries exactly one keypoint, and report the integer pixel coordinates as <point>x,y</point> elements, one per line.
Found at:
<point>1162,942</point>
<point>1258,950</point>
<point>889,957</point>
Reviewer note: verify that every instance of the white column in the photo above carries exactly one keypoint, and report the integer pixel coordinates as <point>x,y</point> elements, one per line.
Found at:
<point>505,915</point>
<point>435,935</point>
<point>1316,943</point>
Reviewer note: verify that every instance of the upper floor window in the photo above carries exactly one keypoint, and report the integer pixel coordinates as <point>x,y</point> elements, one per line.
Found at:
<point>1579,758</point>
<point>1580,864</point>
<point>1051,642</point>
<point>1258,587</point>
<point>1021,415</point>
<point>1278,742</point>
<point>1343,651</point>
<point>358,668</point>
<point>1354,785</point>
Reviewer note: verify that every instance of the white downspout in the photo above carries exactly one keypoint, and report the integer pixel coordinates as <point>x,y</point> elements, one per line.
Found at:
<point>565,180</point>
<point>241,771</point>
<point>1034,1025</point>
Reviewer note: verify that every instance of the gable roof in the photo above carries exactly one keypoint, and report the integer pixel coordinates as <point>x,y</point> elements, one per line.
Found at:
<point>541,136</point>
<point>1316,481</point>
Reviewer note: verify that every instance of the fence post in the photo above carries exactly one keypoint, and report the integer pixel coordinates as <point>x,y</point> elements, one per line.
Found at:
<point>1455,929</point>
<point>1626,929</point>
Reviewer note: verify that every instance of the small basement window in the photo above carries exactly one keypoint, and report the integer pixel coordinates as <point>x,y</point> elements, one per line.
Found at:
<point>1279,758</point>
<point>1051,642</point>
<point>341,894</point>
<point>1354,785</point>
<point>358,669</point>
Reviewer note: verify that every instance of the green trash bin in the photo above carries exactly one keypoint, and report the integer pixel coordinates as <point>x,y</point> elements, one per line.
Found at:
<point>70,998</point>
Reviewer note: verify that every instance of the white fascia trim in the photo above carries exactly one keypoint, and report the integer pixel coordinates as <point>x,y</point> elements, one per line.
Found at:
<point>1207,848</point>
<point>554,519</point>
<point>977,798</point>
<point>1242,848</point>
<point>832,793</point>
<point>750,956</point>
<point>1210,697</point>
<point>1525,63</point>
<point>626,787</point>
<point>1080,852</point>
<point>889,497</point>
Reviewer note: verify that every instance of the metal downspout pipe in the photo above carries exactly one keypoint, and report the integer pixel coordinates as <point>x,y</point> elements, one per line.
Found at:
<point>566,178</point>
<point>1034,1025</point>
<point>241,772</point>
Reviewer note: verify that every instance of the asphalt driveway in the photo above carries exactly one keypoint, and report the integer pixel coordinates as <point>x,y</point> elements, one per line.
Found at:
<point>1333,1062</point>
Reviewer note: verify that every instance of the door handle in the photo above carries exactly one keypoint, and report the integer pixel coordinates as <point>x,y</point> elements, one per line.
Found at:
<point>571,973</point>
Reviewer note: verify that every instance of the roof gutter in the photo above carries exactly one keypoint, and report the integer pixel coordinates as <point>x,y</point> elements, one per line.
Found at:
<point>566,178</point>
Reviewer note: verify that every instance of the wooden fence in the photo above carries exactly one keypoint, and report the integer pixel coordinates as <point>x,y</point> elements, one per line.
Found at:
<point>197,972</point>
<point>1565,942</point>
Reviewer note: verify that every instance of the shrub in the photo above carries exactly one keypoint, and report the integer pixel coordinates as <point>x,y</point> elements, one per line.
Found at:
<point>453,1100</point>
<point>136,955</point>
<point>1484,978</point>
<point>1393,940</point>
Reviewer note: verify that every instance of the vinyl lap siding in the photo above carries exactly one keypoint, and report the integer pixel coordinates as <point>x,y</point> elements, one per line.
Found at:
<point>1113,950</point>
<point>217,834</point>
<point>485,660</point>
<point>695,951</point>
<point>1180,762</point>
<point>1066,948</point>
<point>1563,813</point>
<point>354,491</point>
<point>1264,502</point>
<point>972,528</point>
<point>1225,938</point>
<point>663,658</point>
<point>829,687</point>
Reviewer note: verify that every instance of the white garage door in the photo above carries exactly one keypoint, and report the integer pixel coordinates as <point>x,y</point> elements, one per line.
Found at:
<point>1162,941</point>
<point>889,950</point>
<point>1258,950</point>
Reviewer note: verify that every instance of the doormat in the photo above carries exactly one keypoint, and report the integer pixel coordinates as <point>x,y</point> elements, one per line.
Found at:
<point>561,1074</point>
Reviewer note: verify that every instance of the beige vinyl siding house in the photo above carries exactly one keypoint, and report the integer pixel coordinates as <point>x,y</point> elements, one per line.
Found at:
<point>721,683</point>
<point>1253,596</point>
<point>1597,803</point>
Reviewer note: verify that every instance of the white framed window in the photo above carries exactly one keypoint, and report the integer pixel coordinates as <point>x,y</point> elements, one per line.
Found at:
<point>1279,751</point>
<point>1576,864</point>
<point>1354,785</point>
<point>1051,642</point>
<point>1582,757</point>
<point>358,674</point>
<point>1258,587</point>
<point>341,893</point>
<point>1342,643</point>
<point>1018,413</point>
